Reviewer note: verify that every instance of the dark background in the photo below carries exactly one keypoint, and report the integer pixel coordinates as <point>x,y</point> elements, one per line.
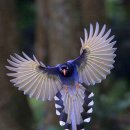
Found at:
<point>51,29</point>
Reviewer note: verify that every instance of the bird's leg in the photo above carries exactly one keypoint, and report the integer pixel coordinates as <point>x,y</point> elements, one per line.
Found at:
<point>66,88</point>
<point>77,85</point>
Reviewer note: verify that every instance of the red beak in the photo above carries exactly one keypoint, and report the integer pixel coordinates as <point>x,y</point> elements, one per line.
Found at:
<point>64,72</point>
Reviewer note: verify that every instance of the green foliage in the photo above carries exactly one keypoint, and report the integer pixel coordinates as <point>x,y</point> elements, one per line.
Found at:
<point>37,108</point>
<point>115,11</point>
<point>113,102</point>
<point>27,15</point>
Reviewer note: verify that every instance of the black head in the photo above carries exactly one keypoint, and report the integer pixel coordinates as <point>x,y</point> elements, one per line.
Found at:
<point>66,69</point>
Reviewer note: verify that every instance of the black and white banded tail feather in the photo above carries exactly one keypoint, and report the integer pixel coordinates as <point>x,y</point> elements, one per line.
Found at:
<point>74,107</point>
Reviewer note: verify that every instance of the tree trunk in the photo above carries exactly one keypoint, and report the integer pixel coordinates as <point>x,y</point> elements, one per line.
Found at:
<point>92,11</point>
<point>63,30</point>
<point>41,43</point>
<point>57,37</point>
<point>15,113</point>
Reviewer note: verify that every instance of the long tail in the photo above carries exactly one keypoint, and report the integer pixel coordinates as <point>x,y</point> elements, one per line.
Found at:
<point>74,107</point>
<point>73,118</point>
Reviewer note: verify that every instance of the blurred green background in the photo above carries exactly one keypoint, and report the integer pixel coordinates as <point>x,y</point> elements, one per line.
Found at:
<point>51,29</point>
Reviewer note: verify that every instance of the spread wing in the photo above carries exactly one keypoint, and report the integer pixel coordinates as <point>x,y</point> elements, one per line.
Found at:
<point>33,77</point>
<point>96,56</point>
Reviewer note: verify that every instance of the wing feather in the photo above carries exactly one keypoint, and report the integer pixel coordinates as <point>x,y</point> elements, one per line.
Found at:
<point>91,32</point>
<point>15,59</point>
<point>43,91</point>
<point>34,85</point>
<point>97,55</point>
<point>39,90</point>
<point>33,77</point>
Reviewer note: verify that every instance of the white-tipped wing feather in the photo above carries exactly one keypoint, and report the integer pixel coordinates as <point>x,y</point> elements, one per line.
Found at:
<point>97,55</point>
<point>34,81</point>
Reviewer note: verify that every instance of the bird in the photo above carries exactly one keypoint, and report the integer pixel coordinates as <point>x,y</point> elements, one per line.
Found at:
<point>64,82</point>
